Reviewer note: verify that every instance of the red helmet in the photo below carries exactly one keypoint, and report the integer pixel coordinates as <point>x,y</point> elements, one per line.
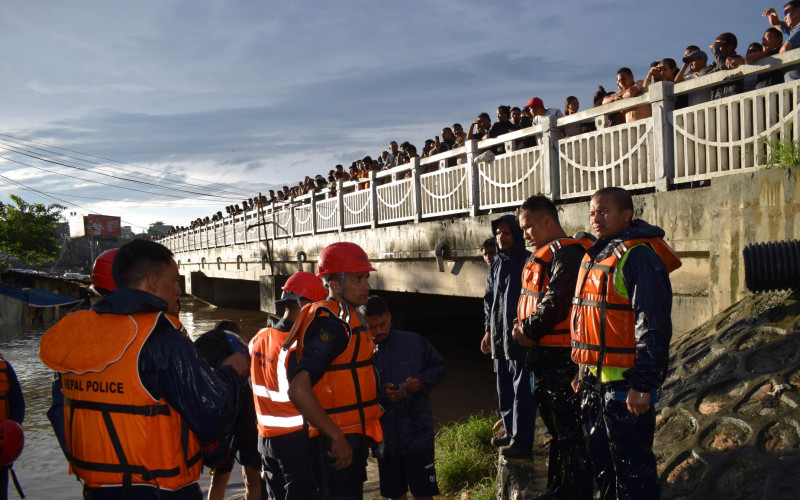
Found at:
<point>11,442</point>
<point>101,272</point>
<point>306,285</point>
<point>343,257</point>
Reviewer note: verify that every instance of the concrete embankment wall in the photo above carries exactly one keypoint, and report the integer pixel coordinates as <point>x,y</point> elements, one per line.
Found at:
<point>708,226</point>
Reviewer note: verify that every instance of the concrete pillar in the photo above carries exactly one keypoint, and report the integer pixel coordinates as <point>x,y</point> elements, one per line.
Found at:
<point>340,198</point>
<point>551,177</point>
<point>473,176</point>
<point>313,213</point>
<point>373,198</point>
<point>662,100</point>
<point>415,173</point>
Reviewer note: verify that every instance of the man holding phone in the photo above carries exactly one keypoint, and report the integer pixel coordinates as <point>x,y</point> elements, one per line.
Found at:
<point>409,368</point>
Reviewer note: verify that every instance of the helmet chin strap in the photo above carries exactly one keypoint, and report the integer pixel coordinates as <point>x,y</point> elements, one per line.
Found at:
<point>340,293</point>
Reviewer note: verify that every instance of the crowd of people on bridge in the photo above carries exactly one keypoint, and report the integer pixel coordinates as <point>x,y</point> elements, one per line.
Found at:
<point>781,35</point>
<point>578,328</point>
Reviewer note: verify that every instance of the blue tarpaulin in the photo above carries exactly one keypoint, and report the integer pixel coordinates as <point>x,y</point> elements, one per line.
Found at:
<point>38,298</point>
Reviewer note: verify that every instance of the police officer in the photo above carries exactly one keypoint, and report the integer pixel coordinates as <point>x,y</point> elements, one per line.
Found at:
<point>283,440</point>
<point>548,283</point>
<point>333,383</point>
<point>130,378</point>
<point>621,330</point>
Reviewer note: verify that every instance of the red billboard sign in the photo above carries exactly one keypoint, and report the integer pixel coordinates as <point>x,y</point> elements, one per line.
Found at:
<point>103,225</point>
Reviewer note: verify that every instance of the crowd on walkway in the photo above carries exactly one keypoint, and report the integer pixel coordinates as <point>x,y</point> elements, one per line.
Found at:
<point>721,55</point>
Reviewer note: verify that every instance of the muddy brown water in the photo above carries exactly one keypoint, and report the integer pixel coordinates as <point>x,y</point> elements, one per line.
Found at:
<point>42,469</point>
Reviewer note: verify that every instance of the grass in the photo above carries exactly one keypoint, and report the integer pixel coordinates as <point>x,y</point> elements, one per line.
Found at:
<point>780,153</point>
<point>465,458</point>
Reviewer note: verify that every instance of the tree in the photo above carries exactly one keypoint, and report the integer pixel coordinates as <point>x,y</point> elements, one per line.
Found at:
<point>27,231</point>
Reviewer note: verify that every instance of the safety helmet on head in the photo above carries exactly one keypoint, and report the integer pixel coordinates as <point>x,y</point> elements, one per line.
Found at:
<point>302,285</point>
<point>343,257</point>
<point>101,272</point>
<point>11,442</point>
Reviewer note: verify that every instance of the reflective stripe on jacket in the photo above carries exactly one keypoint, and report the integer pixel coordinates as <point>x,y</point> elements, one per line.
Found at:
<point>268,362</point>
<point>602,320</point>
<point>117,433</point>
<point>535,280</point>
<point>348,389</point>
<point>5,389</point>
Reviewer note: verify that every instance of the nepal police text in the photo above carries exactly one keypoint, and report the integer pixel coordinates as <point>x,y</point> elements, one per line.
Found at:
<point>93,386</point>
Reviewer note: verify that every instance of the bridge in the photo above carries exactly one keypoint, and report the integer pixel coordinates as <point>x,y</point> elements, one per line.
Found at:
<point>697,171</point>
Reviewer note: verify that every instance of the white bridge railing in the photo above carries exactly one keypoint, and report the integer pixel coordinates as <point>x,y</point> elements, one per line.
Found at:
<point>674,146</point>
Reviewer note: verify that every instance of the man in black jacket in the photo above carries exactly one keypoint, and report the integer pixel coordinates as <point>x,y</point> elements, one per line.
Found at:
<point>517,405</point>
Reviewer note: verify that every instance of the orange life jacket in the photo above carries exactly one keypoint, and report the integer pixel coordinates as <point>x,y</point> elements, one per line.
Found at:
<point>117,433</point>
<point>276,414</point>
<point>602,321</point>
<point>5,389</point>
<point>535,280</point>
<point>348,389</point>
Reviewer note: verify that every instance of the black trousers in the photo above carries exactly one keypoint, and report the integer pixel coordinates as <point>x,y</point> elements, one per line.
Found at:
<point>569,472</point>
<point>620,443</point>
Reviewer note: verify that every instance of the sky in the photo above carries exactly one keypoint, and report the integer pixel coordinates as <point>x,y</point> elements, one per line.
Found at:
<point>170,110</point>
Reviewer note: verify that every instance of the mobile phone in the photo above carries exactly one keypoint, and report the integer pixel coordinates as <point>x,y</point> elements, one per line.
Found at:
<point>395,387</point>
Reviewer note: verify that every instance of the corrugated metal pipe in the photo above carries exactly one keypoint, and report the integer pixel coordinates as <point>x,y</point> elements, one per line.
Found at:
<point>772,266</point>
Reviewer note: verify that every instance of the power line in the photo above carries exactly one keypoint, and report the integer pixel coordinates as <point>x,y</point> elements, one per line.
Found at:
<point>31,149</point>
<point>92,181</point>
<point>236,189</point>
<point>46,196</point>
<point>48,160</point>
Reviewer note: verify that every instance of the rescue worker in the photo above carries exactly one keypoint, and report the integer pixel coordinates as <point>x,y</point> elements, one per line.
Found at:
<point>240,443</point>
<point>503,283</point>
<point>102,281</point>
<point>333,383</point>
<point>283,439</point>
<point>409,368</point>
<point>621,330</point>
<point>548,283</point>
<point>130,379</point>
<point>12,406</point>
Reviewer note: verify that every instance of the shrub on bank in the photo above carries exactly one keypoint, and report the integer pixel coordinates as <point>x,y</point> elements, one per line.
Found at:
<point>465,458</point>
<point>780,153</point>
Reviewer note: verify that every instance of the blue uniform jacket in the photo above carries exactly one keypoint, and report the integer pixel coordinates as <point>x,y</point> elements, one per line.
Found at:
<point>503,285</point>
<point>408,423</point>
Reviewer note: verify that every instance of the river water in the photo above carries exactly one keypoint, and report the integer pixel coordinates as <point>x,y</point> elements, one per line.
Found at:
<point>42,468</point>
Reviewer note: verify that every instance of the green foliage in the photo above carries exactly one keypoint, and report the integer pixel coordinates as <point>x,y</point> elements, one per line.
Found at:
<point>780,153</point>
<point>27,230</point>
<point>465,458</point>
<point>484,490</point>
